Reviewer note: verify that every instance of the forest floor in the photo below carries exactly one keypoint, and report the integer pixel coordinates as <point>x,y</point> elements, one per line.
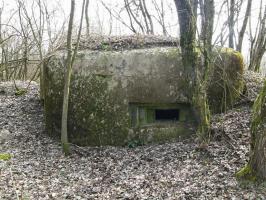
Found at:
<point>178,170</point>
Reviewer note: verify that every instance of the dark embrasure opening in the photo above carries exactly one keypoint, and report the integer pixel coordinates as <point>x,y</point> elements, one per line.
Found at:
<point>166,114</point>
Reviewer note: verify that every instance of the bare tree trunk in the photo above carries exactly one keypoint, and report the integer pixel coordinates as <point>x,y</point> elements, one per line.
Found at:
<point>231,23</point>
<point>37,35</point>
<point>160,17</point>
<point>69,64</point>
<point>64,135</point>
<point>207,12</point>
<point>163,19</point>
<point>202,84</point>
<point>133,16</point>
<point>117,16</point>
<point>146,14</point>
<point>244,26</point>
<point>258,43</point>
<point>187,28</point>
<point>25,58</point>
<point>197,78</point>
<point>87,17</point>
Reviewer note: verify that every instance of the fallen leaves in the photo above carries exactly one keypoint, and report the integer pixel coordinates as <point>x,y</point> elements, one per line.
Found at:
<point>39,170</point>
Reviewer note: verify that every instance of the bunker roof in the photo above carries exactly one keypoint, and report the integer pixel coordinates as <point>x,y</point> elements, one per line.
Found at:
<point>119,43</point>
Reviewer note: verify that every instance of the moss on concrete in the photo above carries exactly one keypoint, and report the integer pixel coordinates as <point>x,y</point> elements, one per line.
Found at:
<point>226,83</point>
<point>5,156</point>
<point>20,92</point>
<point>96,115</point>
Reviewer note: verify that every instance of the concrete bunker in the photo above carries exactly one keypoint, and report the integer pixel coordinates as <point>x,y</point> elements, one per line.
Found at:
<point>138,93</point>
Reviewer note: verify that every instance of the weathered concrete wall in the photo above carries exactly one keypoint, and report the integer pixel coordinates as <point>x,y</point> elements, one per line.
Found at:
<point>105,84</point>
<point>146,74</point>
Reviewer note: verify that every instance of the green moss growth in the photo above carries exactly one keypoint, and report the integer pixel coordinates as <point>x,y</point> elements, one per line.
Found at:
<point>201,106</point>
<point>226,82</point>
<point>258,114</point>
<point>246,173</point>
<point>5,156</point>
<point>173,53</point>
<point>66,148</point>
<point>20,92</point>
<point>106,47</point>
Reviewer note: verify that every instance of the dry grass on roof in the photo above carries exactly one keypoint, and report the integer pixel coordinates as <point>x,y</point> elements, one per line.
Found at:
<point>118,43</point>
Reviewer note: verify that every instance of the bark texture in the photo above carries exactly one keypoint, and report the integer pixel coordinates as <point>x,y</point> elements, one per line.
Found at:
<point>244,26</point>
<point>258,136</point>
<point>70,61</point>
<point>64,136</point>
<point>231,23</point>
<point>255,170</point>
<point>187,27</point>
<point>186,10</point>
<point>258,44</point>
<point>87,17</point>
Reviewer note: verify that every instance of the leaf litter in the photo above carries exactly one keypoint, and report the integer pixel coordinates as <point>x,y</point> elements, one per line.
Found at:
<point>177,170</point>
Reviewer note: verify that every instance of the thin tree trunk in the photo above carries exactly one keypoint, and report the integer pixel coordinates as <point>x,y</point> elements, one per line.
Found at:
<point>70,61</point>
<point>231,23</point>
<point>64,135</point>
<point>87,17</point>
<point>163,19</point>
<point>37,35</point>
<point>258,44</point>
<point>148,31</point>
<point>130,13</point>
<point>244,26</point>
<point>79,34</point>
<point>201,99</point>
<point>207,22</point>
<point>149,17</point>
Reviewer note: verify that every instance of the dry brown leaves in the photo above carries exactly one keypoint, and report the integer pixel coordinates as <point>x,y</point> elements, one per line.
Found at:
<point>39,170</point>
